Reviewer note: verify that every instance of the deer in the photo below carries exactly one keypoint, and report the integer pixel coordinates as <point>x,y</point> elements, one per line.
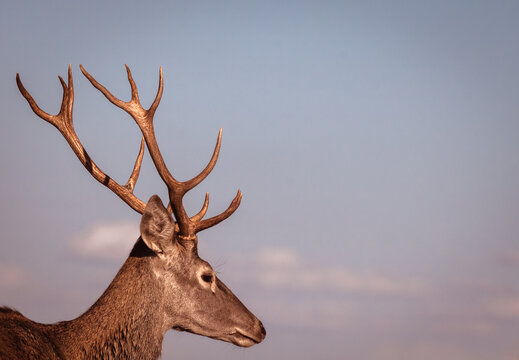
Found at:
<point>162,285</point>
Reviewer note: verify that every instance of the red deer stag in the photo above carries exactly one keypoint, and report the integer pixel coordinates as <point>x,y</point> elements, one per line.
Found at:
<point>163,284</point>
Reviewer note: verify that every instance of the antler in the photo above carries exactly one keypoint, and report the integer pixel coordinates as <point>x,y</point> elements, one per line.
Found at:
<point>188,226</point>
<point>63,122</point>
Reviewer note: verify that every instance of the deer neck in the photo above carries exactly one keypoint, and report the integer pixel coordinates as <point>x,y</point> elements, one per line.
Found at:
<point>125,322</point>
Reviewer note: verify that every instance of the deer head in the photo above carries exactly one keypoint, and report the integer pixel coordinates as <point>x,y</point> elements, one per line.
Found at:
<point>207,307</point>
<point>191,296</point>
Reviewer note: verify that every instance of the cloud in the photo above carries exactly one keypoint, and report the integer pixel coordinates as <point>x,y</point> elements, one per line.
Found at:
<point>278,257</point>
<point>107,241</point>
<point>285,268</point>
<point>272,267</point>
<point>12,276</point>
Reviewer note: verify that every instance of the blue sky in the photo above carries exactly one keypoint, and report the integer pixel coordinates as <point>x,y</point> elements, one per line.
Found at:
<point>375,143</point>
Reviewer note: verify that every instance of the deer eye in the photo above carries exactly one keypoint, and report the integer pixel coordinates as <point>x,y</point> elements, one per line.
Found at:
<point>208,278</point>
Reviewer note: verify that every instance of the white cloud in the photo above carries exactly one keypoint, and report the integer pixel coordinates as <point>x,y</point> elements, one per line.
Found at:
<point>305,294</point>
<point>272,267</point>
<point>285,268</point>
<point>107,241</point>
<point>278,257</point>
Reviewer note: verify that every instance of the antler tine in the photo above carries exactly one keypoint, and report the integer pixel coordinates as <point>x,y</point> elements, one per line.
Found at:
<point>160,89</point>
<point>136,169</point>
<point>106,93</point>
<point>207,223</point>
<point>135,93</point>
<point>63,122</point>
<point>202,211</point>
<point>52,119</point>
<point>188,185</point>
<point>42,114</point>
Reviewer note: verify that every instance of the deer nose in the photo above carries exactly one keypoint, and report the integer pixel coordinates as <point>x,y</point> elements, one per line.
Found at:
<point>263,331</point>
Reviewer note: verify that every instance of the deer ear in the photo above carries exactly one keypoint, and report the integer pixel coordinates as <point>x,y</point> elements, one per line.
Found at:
<point>157,226</point>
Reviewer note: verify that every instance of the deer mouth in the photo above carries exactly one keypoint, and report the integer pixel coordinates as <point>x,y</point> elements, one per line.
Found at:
<point>245,339</point>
